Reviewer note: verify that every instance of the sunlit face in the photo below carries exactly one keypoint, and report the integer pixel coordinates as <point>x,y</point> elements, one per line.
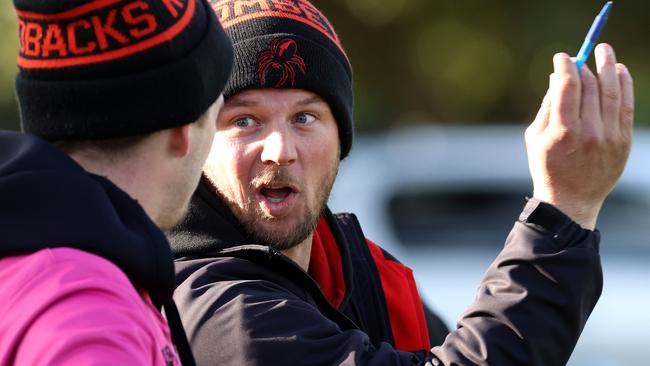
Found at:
<point>187,171</point>
<point>274,160</point>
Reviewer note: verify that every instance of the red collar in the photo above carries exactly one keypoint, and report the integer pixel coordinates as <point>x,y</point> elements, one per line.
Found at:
<point>325,264</point>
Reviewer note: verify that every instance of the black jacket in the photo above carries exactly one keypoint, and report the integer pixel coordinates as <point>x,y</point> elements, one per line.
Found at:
<point>248,304</point>
<point>357,277</point>
<point>48,201</point>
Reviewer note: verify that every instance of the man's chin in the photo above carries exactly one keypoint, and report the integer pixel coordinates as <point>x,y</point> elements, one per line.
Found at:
<point>169,223</point>
<point>173,218</point>
<point>280,238</point>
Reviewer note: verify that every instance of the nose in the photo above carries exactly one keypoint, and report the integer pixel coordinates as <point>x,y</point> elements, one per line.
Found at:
<point>279,148</point>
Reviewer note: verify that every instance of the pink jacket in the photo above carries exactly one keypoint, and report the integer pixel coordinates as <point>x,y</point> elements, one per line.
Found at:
<point>64,306</point>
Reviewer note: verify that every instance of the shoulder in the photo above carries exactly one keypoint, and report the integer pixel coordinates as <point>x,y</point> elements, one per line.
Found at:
<point>68,303</point>
<point>380,253</point>
<point>233,308</point>
<point>228,276</point>
<point>59,271</point>
<point>270,287</point>
<point>353,232</point>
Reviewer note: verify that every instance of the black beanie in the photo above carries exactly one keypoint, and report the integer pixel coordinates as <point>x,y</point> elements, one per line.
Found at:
<point>97,69</point>
<point>289,44</point>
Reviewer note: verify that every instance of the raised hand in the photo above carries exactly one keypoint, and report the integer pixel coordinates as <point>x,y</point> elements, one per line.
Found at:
<point>580,140</point>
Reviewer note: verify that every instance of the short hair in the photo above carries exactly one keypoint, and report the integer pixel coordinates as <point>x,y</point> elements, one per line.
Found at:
<point>113,148</point>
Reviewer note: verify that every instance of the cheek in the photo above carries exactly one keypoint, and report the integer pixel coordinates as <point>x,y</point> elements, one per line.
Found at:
<point>228,165</point>
<point>325,143</point>
<point>224,151</point>
<point>206,146</point>
<point>324,150</point>
<point>322,159</point>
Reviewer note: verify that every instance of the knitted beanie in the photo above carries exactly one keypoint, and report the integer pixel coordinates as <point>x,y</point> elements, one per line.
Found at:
<point>289,44</point>
<point>97,69</point>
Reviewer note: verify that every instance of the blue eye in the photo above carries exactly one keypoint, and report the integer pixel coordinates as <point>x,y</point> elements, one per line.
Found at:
<point>304,118</point>
<point>245,122</point>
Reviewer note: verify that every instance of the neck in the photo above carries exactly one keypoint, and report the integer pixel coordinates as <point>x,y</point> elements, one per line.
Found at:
<point>130,175</point>
<point>301,253</point>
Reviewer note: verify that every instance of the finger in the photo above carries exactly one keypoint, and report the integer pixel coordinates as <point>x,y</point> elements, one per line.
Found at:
<point>590,105</point>
<point>565,94</point>
<point>627,99</point>
<point>610,88</point>
<point>541,119</point>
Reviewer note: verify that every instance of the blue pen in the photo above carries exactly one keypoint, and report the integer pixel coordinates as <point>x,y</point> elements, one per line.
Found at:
<point>592,36</point>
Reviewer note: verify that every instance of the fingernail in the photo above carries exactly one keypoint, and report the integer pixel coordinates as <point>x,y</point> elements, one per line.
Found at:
<point>604,50</point>
<point>610,52</point>
<point>560,55</point>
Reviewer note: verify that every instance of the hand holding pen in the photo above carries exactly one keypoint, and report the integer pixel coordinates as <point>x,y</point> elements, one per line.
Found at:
<point>579,142</point>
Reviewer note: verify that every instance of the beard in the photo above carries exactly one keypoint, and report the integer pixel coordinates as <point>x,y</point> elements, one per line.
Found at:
<point>282,240</point>
<point>263,229</point>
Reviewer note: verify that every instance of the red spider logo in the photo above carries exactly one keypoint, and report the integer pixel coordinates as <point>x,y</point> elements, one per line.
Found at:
<point>282,56</point>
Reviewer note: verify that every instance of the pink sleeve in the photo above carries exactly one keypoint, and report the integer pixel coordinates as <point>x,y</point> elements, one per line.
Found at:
<point>82,310</point>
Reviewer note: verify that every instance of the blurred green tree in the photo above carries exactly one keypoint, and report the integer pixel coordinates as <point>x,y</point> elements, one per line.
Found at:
<point>473,61</point>
<point>8,52</point>
<point>444,61</point>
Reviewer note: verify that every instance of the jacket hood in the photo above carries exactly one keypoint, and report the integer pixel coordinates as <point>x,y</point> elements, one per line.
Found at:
<point>47,200</point>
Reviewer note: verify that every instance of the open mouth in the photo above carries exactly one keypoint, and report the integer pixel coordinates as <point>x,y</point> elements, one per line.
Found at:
<point>277,194</point>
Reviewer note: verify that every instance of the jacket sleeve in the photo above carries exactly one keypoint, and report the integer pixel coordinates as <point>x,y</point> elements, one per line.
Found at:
<point>535,298</point>
<point>82,310</point>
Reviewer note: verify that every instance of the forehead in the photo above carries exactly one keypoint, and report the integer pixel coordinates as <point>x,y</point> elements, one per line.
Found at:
<point>273,97</point>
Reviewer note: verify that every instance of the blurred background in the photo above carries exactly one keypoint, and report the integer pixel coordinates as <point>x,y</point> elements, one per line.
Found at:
<point>444,61</point>
<point>443,91</point>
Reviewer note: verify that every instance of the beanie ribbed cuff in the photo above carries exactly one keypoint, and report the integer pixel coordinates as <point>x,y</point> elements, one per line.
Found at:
<point>168,85</point>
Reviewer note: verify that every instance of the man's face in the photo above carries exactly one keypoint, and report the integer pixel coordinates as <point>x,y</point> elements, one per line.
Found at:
<point>274,160</point>
<point>187,172</point>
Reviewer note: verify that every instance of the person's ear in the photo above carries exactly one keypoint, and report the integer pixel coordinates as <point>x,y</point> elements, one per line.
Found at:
<point>179,141</point>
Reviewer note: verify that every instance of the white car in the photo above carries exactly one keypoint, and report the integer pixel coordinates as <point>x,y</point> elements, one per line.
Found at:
<point>417,191</point>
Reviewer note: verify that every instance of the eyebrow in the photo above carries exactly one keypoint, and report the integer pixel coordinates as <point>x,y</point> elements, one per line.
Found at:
<point>235,102</point>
